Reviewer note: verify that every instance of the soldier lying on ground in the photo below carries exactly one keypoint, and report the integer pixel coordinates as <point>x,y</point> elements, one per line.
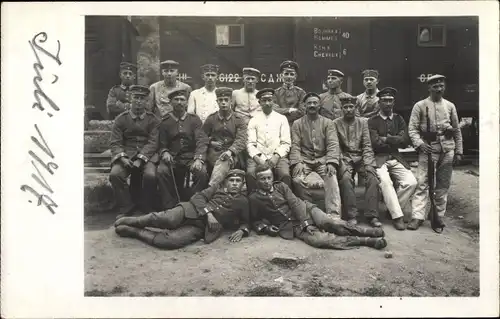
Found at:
<point>207,213</point>
<point>275,210</point>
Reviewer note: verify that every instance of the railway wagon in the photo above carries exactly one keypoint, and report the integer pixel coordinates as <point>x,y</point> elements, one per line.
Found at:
<point>406,50</point>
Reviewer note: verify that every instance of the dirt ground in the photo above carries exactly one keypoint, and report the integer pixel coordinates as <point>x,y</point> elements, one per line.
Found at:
<point>424,263</point>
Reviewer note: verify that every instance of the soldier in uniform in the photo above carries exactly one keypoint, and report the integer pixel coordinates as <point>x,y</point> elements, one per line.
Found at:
<point>444,142</point>
<point>118,100</point>
<point>315,148</point>
<point>356,153</point>
<point>227,133</point>
<point>276,211</point>
<point>244,100</point>
<point>159,101</point>
<point>289,98</point>
<point>134,141</point>
<point>203,101</point>
<point>388,133</point>
<point>182,152</point>
<point>330,101</point>
<point>205,215</point>
<point>268,141</point>
<point>367,104</point>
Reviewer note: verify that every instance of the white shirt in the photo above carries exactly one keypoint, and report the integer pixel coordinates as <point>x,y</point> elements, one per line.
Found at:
<point>246,103</point>
<point>202,103</point>
<point>268,134</point>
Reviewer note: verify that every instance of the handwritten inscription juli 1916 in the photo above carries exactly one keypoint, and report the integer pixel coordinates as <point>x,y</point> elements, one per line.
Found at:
<point>330,43</point>
<point>43,197</point>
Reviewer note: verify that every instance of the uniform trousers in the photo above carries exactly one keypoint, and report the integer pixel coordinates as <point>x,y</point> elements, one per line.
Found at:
<point>390,173</point>
<point>142,190</point>
<point>443,163</point>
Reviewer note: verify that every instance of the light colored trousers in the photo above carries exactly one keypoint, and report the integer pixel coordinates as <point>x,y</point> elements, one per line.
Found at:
<point>443,163</point>
<point>406,183</point>
<point>332,192</point>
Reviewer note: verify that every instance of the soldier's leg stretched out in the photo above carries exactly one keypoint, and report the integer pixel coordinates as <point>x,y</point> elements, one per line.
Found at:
<point>176,233</point>
<point>320,239</point>
<point>342,228</point>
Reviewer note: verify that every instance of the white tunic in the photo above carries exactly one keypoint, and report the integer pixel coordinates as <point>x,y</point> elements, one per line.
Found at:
<point>202,103</point>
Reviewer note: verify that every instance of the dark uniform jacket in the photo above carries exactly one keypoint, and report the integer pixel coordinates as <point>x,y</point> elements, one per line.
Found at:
<point>183,138</point>
<point>281,208</point>
<point>118,100</point>
<point>286,98</point>
<point>134,136</point>
<point>394,126</point>
<point>231,211</point>
<point>225,134</point>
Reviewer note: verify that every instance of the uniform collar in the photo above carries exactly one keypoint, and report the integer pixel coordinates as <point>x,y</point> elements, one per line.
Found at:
<point>175,117</point>
<point>372,95</point>
<point>264,192</point>
<point>225,118</point>
<point>382,115</point>
<point>205,90</point>
<point>286,87</point>
<point>142,116</point>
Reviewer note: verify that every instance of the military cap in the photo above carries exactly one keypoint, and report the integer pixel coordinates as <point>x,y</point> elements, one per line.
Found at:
<point>348,100</point>
<point>289,65</point>
<point>333,72</point>
<point>128,66</point>
<point>265,92</point>
<point>388,91</point>
<point>177,92</point>
<point>169,63</point>
<point>436,78</point>
<point>251,71</point>
<point>370,73</point>
<point>223,91</point>
<point>309,94</point>
<point>236,172</point>
<point>139,90</point>
<point>209,68</point>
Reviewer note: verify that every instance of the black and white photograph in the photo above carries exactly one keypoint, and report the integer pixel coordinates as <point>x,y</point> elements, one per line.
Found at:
<point>281,156</point>
<point>193,159</point>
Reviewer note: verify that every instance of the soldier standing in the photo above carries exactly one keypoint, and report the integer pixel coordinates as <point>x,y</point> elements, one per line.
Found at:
<point>289,98</point>
<point>330,101</point>
<point>367,105</point>
<point>203,101</point>
<point>159,101</point>
<point>118,100</point>
<point>244,100</point>
<point>134,141</point>
<point>443,139</point>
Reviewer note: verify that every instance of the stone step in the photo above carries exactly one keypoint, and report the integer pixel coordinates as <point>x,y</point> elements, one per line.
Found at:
<point>96,141</point>
<point>95,125</point>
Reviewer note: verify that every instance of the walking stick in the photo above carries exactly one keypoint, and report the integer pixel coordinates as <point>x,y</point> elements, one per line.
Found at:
<point>436,224</point>
<point>175,183</point>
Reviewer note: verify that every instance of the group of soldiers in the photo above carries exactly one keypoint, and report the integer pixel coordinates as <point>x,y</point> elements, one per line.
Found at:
<point>229,159</point>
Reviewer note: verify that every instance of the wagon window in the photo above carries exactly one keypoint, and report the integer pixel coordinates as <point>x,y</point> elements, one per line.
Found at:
<point>431,36</point>
<point>229,35</point>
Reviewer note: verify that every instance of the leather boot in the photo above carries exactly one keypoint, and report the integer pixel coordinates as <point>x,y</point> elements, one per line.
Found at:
<point>126,231</point>
<point>139,221</point>
<point>374,222</point>
<point>377,243</point>
<point>414,224</point>
<point>365,231</point>
<point>399,223</point>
